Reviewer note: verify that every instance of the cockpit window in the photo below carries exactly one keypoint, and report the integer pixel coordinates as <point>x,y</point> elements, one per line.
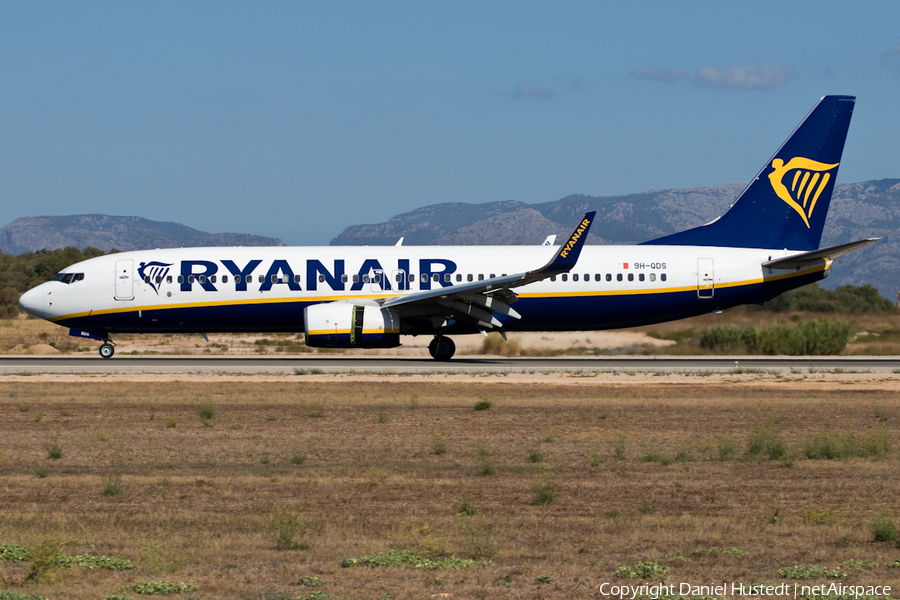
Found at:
<point>68,278</point>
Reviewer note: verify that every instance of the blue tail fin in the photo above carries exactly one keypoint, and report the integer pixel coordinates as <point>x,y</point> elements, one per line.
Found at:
<point>786,204</point>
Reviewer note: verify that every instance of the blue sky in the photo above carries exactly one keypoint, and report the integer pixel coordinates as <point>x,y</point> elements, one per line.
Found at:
<point>296,119</point>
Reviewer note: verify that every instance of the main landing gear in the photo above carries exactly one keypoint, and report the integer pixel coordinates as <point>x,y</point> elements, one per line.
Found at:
<point>107,349</point>
<point>441,348</point>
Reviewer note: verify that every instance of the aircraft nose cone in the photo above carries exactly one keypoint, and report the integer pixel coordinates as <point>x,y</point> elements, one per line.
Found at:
<point>32,301</point>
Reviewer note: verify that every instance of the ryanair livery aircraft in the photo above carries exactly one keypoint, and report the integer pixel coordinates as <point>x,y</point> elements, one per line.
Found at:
<point>367,297</point>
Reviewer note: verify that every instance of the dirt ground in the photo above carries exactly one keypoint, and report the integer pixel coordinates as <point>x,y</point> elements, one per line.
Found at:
<point>558,482</point>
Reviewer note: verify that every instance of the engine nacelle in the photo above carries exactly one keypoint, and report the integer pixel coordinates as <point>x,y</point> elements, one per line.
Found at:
<point>344,325</point>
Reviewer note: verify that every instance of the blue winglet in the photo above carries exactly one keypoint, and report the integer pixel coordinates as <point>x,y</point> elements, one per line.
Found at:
<point>568,253</point>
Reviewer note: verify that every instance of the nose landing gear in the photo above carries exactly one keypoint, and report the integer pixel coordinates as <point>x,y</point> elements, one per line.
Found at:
<point>441,348</point>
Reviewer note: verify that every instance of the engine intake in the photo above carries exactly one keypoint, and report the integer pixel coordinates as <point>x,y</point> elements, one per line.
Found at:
<point>344,325</point>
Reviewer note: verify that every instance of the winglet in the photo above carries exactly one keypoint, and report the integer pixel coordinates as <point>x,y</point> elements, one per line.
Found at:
<point>568,253</point>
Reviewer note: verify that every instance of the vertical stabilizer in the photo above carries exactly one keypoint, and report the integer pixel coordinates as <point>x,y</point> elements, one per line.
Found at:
<point>786,204</point>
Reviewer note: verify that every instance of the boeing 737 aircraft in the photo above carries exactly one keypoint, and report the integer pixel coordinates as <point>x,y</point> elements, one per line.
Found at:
<point>367,297</point>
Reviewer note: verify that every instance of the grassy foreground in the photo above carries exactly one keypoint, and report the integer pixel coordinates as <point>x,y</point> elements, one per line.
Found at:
<point>248,489</point>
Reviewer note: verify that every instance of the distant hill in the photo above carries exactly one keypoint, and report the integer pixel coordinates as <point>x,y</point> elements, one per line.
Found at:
<point>29,234</point>
<point>858,210</point>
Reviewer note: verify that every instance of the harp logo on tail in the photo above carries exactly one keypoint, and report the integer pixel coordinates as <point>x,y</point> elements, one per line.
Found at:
<point>153,273</point>
<point>801,190</point>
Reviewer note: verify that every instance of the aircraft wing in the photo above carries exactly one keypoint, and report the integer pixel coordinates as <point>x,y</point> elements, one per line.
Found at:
<point>478,300</point>
<point>808,258</point>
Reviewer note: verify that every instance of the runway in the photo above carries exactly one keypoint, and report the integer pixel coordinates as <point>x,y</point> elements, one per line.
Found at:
<point>302,365</point>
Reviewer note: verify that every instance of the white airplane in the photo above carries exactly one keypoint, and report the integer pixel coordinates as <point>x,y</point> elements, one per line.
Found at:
<point>368,296</point>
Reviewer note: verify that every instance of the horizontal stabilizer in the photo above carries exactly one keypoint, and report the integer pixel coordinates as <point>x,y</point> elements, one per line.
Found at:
<point>808,258</point>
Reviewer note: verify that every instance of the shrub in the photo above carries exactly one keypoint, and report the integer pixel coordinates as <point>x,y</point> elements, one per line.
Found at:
<point>644,570</point>
<point>619,446</point>
<point>544,488</point>
<point>44,557</point>
<point>163,588</point>
<point>439,444</point>
<point>884,529</point>
<point>535,455</point>
<point>477,533</point>
<point>309,581</point>
<point>485,462</point>
<point>483,405</point>
<point>54,450</point>
<point>817,337</point>
<point>829,444</point>
<point>284,524</point>
<point>112,479</point>
<point>765,442</point>
<point>810,572</point>
<point>7,595</point>
<point>206,411</point>
<point>171,422</point>
<point>14,552</point>
<point>396,558</point>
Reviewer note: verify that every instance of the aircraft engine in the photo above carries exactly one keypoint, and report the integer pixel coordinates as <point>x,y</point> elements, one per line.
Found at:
<point>344,325</point>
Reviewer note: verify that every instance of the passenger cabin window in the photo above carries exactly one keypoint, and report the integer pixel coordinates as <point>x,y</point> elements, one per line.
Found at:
<point>641,277</point>
<point>366,278</point>
<point>202,279</point>
<point>652,276</point>
<point>181,279</point>
<point>296,278</point>
<point>480,277</point>
<point>224,278</point>
<point>237,278</point>
<point>469,277</point>
<point>378,278</point>
<point>190,279</point>
<point>424,277</point>
<point>274,278</point>
<point>458,277</point>
<point>159,279</point>
<point>321,278</point>
<point>212,278</point>
<point>596,276</point>
<point>618,277</point>
<point>436,277</point>
<point>565,277</point>
<point>574,276</point>
<point>631,277</point>
<point>169,279</point>
<point>662,277</point>
<point>262,278</point>
<point>609,276</point>
<point>553,278</point>
<point>146,279</point>
<point>398,278</point>
<point>446,277</point>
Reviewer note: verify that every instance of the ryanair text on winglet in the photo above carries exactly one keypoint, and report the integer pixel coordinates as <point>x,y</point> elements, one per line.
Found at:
<point>572,240</point>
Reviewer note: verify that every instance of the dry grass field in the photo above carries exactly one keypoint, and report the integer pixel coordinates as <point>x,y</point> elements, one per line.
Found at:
<point>558,484</point>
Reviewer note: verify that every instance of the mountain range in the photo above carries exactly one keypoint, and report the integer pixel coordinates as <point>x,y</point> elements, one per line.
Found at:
<point>30,234</point>
<point>858,211</point>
